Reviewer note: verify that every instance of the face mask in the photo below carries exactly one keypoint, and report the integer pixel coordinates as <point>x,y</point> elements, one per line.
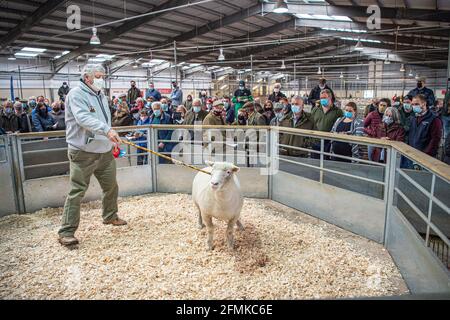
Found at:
<point>56,109</point>
<point>133,85</point>
<point>241,88</point>
<point>242,117</point>
<point>226,105</point>
<point>152,88</point>
<point>165,107</point>
<point>157,113</point>
<point>417,109</point>
<point>348,114</point>
<point>295,108</point>
<point>324,102</point>
<point>8,110</point>
<point>407,107</point>
<point>32,103</point>
<point>148,104</point>
<point>189,99</point>
<point>419,84</point>
<point>98,84</point>
<point>196,109</point>
<point>217,112</point>
<point>388,120</point>
<point>276,90</point>
<point>322,86</point>
<point>396,104</point>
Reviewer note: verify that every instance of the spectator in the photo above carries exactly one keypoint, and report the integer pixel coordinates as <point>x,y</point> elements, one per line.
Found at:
<point>373,121</point>
<point>325,116</point>
<point>241,96</point>
<point>9,120</point>
<point>371,107</point>
<point>351,125</point>
<point>447,149</point>
<point>165,106</point>
<point>229,109</point>
<point>242,118</point>
<point>161,117</point>
<point>24,118</point>
<point>139,105</point>
<point>276,95</point>
<point>196,114</point>
<point>58,116</point>
<point>122,116</point>
<point>314,95</point>
<point>42,120</point>
<point>188,102</point>
<point>425,129</point>
<point>405,115</point>
<point>133,93</point>
<point>445,116</point>
<point>389,129</point>
<point>209,104</point>
<point>179,115</point>
<point>63,91</point>
<point>421,89</point>
<point>279,114</point>
<point>47,103</point>
<point>152,92</point>
<point>32,103</point>
<point>177,95</point>
<point>298,119</point>
<point>268,112</point>
<point>203,96</point>
<point>215,118</point>
<point>254,118</point>
<point>140,136</point>
<point>286,105</point>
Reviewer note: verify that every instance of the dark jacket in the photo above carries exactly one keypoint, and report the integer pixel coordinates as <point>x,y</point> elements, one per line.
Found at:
<point>405,120</point>
<point>152,93</point>
<point>428,93</point>
<point>43,122</point>
<point>425,133</point>
<point>275,97</point>
<point>59,118</point>
<point>304,122</point>
<point>62,92</point>
<point>325,121</point>
<point>372,122</point>
<point>163,134</point>
<point>314,95</point>
<point>9,122</point>
<point>122,119</point>
<point>356,129</point>
<point>447,149</point>
<point>133,94</point>
<point>25,122</point>
<point>394,132</point>
<point>192,117</point>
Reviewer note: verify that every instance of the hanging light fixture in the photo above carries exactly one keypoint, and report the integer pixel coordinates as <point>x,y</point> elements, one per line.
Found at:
<point>94,39</point>
<point>410,74</point>
<point>319,71</point>
<point>342,75</point>
<point>281,7</point>
<point>359,46</point>
<point>417,76</point>
<point>387,61</point>
<point>357,77</point>
<point>402,68</point>
<point>221,56</point>
<point>283,66</point>
<point>11,55</point>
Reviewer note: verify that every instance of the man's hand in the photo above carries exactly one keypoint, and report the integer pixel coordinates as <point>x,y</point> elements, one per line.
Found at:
<point>113,136</point>
<point>55,125</point>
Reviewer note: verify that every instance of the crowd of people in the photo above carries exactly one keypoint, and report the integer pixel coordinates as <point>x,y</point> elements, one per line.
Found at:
<point>417,119</point>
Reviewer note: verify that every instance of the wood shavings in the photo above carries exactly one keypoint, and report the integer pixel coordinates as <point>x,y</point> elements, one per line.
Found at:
<point>160,254</point>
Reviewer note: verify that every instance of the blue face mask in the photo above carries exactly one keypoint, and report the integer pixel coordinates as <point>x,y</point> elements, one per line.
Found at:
<point>324,102</point>
<point>407,107</point>
<point>157,113</point>
<point>417,109</point>
<point>388,120</point>
<point>295,109</point>
<point>165,107</point>
<point>196,109</point>
<point>348,114</point>
<point>226,105</point>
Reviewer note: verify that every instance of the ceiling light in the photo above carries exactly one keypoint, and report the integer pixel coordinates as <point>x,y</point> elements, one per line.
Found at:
<point>387,61</point>
<point>26,54</point>
<point>33,49</point>
<point>283,66</point>
<point>319,71</point>
<point>410,73</point>
<point>11,55</point>
<point>402,68</point>
<point>342,75</point>
<point>357,77</point>
<point>281,7</point>
<point>64,53</point>
<point>94,39</point>
<point>417,76</point>
<point>359,46</point>
<point>221,56</point>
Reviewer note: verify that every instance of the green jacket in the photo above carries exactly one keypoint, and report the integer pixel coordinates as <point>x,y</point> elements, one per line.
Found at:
<point>256,119</point>
<point>325,121</point>
<point>295,140</point>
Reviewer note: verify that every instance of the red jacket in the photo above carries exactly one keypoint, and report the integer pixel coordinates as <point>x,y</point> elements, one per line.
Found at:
<point>394,132</point>
<point>371,123</point>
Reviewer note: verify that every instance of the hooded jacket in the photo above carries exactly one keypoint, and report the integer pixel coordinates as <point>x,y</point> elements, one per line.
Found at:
<point>88,120</point>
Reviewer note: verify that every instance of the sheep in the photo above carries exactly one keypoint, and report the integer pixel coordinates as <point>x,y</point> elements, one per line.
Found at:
<point>218,196</point>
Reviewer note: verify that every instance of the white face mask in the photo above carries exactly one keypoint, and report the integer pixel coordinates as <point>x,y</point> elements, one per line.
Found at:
<point>98,84</point>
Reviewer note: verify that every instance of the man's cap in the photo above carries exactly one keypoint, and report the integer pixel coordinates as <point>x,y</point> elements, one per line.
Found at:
<point>217,103</point>
<point>423,79</point>
<point>241,82</point>
<point>278,106</point>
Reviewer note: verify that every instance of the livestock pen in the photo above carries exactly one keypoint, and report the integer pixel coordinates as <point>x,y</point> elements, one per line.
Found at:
<point>314,227</point>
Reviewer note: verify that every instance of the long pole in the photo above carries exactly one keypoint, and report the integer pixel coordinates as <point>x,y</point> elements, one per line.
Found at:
<point>175,59</point>
<point>43,85</point>
<point>20,84</point>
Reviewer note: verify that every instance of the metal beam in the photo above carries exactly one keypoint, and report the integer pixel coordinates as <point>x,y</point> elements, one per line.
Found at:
<point>42,12</point>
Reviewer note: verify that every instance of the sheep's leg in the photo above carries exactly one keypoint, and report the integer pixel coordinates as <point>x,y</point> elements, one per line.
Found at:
<point>201,225</point>
<point>210,228</point>
<point>230,233</point>
<point>239,225</point>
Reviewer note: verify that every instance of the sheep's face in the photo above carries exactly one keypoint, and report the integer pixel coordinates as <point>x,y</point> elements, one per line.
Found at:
<point>221,173</point>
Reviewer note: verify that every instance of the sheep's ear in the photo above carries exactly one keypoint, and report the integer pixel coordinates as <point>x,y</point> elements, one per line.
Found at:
<point>235,169</point>
<point>209,163</point>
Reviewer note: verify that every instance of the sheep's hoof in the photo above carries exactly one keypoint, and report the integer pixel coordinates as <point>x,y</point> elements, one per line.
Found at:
<point>201,226</point>
<point>210,247</point>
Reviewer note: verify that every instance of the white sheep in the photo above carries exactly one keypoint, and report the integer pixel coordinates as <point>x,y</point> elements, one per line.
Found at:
<point>218,195</point>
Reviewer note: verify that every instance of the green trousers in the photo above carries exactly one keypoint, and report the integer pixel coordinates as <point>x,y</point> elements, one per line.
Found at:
<point>82,166</point>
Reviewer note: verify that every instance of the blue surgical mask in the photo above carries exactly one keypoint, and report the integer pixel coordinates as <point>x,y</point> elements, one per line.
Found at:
<point>241,88</point>
<point>295,108</point>
<point>348,114</point>
<point>324,102</point>
<point>226,105</point>
<point>157,113</point>
<point>407,107</point>
<point>196,109</point>
<point>165,107</point>
<point>417,109</point>
<point>388,120</point>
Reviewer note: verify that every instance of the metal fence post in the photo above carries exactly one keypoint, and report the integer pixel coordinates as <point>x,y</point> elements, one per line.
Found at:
<point>430,209</point>
<point>390,174</point>
<point>269,157</point>
<point>153,143</point>
<point>18,172</point>
<point>322,150</point>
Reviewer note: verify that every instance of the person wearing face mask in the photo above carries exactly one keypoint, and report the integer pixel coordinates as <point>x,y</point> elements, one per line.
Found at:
<point>179,116</point>
<point>196,115</point>
<point>425,130</point>
<point>177,95</point>
<point>8,119</point>
<point>351,125</point>
<point>159,116</point>
<point>23,117</point>
<point>133,93</point>
<point>373,121</point>
<point>188,103</point>
<point>268,112</point>
<point>371,107</point>
<point>165,106</point>
<point>405,115</point>
<point>241,96</point>
<point>152,92</point>
<point>63,91</point>
<point>389,129</point>
<point>215,117</point>
<point>326,115</point>
<point>421,89</point>
<point>241,118</point>
<point>298,119</point>
<point>90,140</point>
<point>140,137</point>
<point>203,96</point>
<point>254,118</point>
<point>279,114</point>
<point>58,116</point>
<point>122,116</point>
<point>276,95</point>
<point>314,95</point>
<point>139,105</point>
<point>229,109</point>
<point>42,120</point>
